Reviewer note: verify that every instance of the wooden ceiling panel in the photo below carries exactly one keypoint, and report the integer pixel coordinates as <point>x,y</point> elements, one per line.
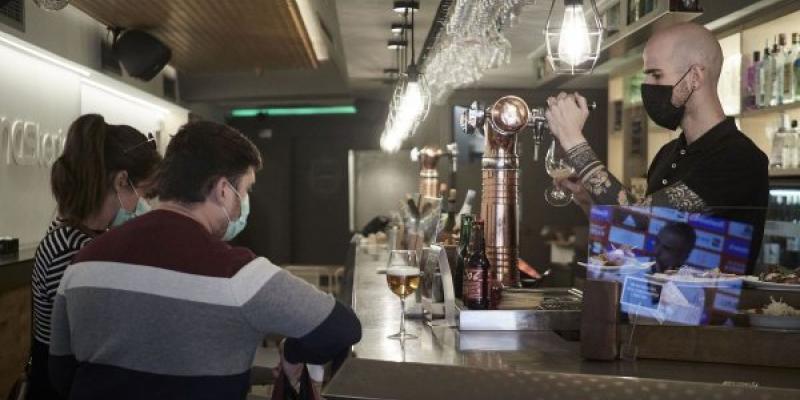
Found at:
<point>212,36</point>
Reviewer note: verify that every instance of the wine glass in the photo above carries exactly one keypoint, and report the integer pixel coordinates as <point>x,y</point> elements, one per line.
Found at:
<point>403,276</point>
<point>556,165</point>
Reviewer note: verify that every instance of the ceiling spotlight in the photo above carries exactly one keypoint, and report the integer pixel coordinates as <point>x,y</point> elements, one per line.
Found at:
<point>399,27</point>
<point>407,5</point>
<point>395,44</point>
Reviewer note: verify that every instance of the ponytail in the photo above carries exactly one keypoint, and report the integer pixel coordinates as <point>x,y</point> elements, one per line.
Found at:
<point>95,151</point>
<point>78,177</point>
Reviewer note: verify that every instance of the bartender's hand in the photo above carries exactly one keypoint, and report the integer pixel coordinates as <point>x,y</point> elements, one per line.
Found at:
<point>566,115</point>
<point>523,266</point>
<point>579,194</point>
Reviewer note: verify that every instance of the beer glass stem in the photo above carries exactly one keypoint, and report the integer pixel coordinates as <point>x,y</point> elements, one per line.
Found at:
<point>402,316</point>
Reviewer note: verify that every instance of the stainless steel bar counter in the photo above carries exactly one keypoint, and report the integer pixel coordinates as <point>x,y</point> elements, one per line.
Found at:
<point>515,351</point>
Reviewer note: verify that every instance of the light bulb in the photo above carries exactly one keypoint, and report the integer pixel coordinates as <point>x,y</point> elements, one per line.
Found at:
<point>409,109</point>
<point>573,42</point>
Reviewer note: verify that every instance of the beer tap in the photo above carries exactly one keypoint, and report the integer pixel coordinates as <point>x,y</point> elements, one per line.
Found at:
<point>428,157</point>
<point>500,125</point>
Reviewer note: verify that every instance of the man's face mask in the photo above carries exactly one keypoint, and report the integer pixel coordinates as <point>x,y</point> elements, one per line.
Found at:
<point>657,100</point>
<point>237,226</point>
<point>124,215</point>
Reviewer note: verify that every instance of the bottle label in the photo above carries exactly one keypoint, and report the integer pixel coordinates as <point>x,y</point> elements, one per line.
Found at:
<point>473,285</point>
<point>787,81</point>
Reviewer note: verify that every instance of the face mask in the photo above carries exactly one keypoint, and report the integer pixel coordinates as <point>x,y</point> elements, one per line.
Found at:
<point>236,227</point>
<point>657,100</point>
<point>124,215</point>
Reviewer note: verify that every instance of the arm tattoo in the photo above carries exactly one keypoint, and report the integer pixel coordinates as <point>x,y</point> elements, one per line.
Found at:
<point>605,189</point>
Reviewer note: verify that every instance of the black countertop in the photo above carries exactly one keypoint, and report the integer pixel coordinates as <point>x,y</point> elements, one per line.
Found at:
<point>22,257</point>
<point>16,271</point>
<point>516,351</point>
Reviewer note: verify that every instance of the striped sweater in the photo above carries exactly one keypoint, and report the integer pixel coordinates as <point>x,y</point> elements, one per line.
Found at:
<point>61,243</point>
<point>159,308</point>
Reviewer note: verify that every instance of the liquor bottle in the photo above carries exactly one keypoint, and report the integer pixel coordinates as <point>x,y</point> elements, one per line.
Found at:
<point>765,79</point>
<point>788,70</point>
<point>466,208</point>
<point>463,253</point>
<point>776,159</point>
<point>443,196</point>
<point>476,272</point>
<point>776,65</point>
<point>447,234</point>
<point>796,65</point>
<point>751,82</point>
<point>792,141</point>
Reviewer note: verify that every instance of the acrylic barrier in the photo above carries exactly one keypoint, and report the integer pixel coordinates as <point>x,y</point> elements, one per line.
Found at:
<point>670,238</point>
<point>673,266</point>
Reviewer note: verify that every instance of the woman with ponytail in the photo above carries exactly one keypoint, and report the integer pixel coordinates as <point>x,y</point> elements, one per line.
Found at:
<point>98,182</point>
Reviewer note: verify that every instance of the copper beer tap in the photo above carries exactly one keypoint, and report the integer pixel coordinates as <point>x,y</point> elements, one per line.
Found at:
<point>428,157</point>
<point>499,124</point>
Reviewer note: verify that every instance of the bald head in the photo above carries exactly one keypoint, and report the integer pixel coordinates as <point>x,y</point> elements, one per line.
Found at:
<point>681,46</point>
<point>688,58</point>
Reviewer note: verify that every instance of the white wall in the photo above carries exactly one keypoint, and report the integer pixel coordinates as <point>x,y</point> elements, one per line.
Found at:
<point>41,93</point>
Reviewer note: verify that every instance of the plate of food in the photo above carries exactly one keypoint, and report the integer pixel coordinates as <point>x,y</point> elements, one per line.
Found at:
<point>690,274</point>
<point>615,264</point>
<point>775,315</point>
<point>616,259</point>
<point>776,278</point>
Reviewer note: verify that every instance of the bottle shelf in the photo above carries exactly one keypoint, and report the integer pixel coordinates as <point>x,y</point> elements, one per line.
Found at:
<point>781,229</point>
<point>769,110</point>
<point>792,172</point>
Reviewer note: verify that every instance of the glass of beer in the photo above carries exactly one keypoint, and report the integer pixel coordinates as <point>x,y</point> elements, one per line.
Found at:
<point>403,276</point>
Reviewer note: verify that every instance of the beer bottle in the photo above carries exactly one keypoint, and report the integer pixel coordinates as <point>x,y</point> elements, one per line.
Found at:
<point>476,272</point>
<point>463,253</point>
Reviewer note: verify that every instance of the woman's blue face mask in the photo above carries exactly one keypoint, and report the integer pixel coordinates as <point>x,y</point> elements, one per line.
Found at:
<point>124,215</point>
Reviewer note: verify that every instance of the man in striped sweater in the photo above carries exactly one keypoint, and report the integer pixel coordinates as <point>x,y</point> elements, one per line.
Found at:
<point>164,308</point>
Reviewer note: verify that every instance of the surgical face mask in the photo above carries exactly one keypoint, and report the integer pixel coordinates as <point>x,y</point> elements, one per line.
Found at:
<point>124,215</point>
<point>657,100</point>
<point>236,227</point>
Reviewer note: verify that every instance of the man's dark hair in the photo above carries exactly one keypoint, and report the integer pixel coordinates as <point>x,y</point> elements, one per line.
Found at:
<point>682,230</point>
<point>201,153</point>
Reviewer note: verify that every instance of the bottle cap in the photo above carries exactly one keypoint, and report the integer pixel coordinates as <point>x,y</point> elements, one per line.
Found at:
<point>794,123</point>
<point>756,56</point>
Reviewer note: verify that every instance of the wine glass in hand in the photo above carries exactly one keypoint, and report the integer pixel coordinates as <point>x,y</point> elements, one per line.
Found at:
<point>556,165</point>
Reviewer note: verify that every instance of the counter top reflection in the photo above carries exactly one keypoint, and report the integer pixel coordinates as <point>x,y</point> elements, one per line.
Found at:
<point>379,312</point>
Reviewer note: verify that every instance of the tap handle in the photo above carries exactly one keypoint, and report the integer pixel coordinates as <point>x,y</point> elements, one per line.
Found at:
<point>452,149</point>
<point>473,118</point>
<point>415,154</point>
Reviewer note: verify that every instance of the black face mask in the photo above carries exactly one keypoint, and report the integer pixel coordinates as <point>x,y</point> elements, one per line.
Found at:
<point>657,100</point>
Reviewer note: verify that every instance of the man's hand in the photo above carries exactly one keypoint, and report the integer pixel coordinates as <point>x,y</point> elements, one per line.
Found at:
<point>579,194</point>
<point>566,115</point>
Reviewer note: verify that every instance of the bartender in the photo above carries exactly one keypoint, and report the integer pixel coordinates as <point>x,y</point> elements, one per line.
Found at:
<point>711,168</point>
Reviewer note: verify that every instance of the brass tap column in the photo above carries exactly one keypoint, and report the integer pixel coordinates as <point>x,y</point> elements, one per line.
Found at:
<point>500,124</point>
<point>428,157</point>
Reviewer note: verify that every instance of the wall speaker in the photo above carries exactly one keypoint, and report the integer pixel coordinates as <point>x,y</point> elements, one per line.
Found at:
<point>142,55</point>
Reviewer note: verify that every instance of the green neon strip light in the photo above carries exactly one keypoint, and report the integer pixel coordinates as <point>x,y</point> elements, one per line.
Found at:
<point>290,111</point>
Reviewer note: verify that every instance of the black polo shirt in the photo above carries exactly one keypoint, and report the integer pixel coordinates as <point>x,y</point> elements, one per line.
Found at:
<point>725,169</point>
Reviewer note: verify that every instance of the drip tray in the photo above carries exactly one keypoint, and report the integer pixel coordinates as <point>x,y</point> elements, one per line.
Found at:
<point>543,309</point>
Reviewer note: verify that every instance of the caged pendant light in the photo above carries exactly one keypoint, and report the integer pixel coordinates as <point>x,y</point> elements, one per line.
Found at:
<point>574,36</point>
